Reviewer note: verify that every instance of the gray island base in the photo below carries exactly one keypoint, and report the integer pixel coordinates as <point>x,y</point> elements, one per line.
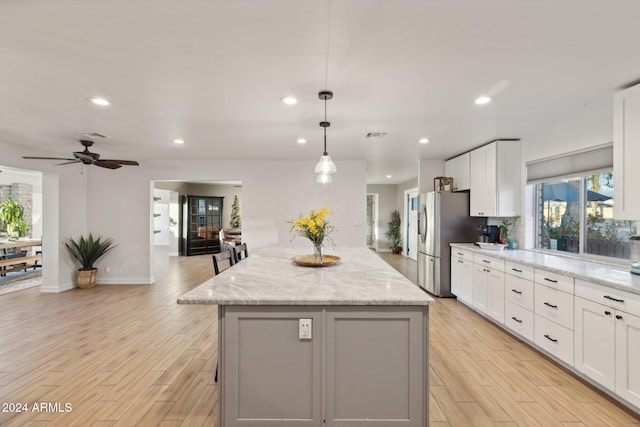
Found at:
<point>345,345</point>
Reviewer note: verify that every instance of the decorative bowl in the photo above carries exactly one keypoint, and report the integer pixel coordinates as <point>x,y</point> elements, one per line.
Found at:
<point>312,260</point>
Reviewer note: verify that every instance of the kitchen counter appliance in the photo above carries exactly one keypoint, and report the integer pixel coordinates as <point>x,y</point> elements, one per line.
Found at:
<point>443,218</point>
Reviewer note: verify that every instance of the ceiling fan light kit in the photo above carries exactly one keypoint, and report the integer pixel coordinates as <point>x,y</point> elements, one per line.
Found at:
<point>325,165</point>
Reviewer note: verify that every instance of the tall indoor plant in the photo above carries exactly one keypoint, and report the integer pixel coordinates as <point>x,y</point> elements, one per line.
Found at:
<point>87,251</point>
<point>393,232</point>
<point>11,213</point>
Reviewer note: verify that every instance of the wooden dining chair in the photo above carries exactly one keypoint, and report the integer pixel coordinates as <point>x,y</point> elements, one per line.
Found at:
<point>219,258</point>
<point>240,252</point>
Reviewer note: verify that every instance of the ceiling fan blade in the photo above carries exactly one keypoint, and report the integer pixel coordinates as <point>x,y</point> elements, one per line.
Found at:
<point>121,162</point>
<point>67,163</point>
<point>107,165</point>
<point>47,158</point>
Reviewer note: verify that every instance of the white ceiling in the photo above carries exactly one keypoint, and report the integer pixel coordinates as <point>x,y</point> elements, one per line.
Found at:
<point>212,72</point>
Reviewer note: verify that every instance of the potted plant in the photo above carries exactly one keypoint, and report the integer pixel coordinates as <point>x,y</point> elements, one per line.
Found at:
<point>393,233</point>
<point>22,227</point>
<point>11,213</point>
<point>506,227</point>
<point>87,251</point>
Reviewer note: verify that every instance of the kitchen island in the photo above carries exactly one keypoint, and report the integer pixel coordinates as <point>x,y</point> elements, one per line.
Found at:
<point>340,345</point>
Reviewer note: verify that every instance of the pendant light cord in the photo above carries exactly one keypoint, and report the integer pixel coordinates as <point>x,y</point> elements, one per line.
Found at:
<point>325,128</point>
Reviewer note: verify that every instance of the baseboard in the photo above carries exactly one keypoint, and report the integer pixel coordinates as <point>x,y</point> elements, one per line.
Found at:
<point>57,289</point>
<point>125,281</point>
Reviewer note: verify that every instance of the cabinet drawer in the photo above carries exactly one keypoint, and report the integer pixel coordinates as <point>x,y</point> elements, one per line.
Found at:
<point>519,320</point>
<point>614,298</point>
<point>488,261</point>
<point>519,291</point>
<point>555,339</point>
<point>462,253</point>
<point>555,305</point>
<point>518,270</point>
<point>554,280</point>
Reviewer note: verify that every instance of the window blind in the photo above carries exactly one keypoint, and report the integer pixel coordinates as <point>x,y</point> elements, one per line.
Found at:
<point>570,165</point>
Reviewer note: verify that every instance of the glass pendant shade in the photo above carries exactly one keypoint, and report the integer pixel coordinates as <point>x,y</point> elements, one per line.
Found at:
<point>326,165</point>
<point>324,178</point>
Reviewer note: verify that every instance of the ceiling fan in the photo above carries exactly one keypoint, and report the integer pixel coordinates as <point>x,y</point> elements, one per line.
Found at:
<point>86,157</point>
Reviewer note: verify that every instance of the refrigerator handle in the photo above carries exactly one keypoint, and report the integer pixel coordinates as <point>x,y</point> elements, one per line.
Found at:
<point>418,222</point>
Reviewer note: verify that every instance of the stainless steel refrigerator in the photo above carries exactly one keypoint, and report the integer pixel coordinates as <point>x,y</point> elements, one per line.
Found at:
<point>443,218</point>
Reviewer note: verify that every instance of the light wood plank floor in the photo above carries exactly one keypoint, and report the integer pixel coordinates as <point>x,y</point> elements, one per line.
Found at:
<point>130,356</point>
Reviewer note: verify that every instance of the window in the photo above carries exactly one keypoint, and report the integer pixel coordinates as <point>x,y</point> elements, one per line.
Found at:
<point>576,215</point>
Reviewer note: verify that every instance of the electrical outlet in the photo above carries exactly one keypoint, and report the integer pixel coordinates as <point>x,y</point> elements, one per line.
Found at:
<point>107,270</point>
<point>304,331</point>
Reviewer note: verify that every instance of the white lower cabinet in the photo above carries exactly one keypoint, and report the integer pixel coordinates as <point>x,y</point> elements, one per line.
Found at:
<point>554,338</point>
<point>488,292</point>
<point>607,341</point>
<point>593,329</point>
<point>555,305</point>
<point>488,286</point>
<point>462,278</point>
<point>628,357</point>
<point>595,341</point>
<point>519,320</point>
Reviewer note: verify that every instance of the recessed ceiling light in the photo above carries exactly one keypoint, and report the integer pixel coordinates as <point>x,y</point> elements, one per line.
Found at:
<point>423,140</point>
<point>483,100</point>
<point>178,141</point>
<point>100,101</point>
<point>289,100</point>
<point>302,141</point>
<point>388,176</point>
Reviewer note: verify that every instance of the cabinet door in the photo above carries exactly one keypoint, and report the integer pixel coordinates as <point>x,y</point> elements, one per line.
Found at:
<point>495,297</point>
<point>627,350</point>
<point>270,375</point>
<point>458,169</point>
<point>626,151</point>
<point>594,341</point>
<point>462,280</point>
<point>375,371</point>
<point>480,288</point>
<point>477,188</point>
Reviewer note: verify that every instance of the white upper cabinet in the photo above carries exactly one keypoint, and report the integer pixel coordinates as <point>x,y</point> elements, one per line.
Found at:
<point>626,151</point>
<point>458,169</point>
<point>495,175</point>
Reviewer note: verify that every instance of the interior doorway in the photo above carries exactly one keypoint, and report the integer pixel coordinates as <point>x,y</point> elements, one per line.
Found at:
<point>410,220</point>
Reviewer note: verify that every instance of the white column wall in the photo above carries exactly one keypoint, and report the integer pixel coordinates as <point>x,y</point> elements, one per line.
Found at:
<point>64,208</point>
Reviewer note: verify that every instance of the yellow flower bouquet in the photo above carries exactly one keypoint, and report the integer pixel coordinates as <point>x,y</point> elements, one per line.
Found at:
<point>315,228</point>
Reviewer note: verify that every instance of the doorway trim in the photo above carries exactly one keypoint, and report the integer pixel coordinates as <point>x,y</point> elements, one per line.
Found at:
<point>406,226</point>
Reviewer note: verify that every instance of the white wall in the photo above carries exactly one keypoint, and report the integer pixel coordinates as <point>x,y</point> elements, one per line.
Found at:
<point>273,192</point>
<point>428,170</point>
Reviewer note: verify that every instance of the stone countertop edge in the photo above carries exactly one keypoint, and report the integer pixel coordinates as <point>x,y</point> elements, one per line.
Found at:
<point>590,271</point>
<point>269,277</point>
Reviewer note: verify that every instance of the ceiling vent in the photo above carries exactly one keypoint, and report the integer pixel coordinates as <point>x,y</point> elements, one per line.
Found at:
<point>93,135</point>
<point>376,134</point>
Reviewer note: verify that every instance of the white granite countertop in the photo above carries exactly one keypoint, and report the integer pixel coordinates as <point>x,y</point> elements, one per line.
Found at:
<point>269,277</point>
<point>595,272</point>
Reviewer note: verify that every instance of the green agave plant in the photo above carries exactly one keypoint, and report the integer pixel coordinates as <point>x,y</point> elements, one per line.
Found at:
<point>88,250</point>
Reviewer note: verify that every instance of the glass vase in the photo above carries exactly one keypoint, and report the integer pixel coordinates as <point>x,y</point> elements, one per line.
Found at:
<point>317,252</point>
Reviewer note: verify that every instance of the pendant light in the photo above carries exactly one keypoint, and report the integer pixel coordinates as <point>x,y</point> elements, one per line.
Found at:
<point>325,165</point>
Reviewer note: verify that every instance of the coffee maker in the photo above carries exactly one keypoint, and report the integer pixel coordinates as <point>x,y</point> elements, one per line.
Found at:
<point>489,234</point>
